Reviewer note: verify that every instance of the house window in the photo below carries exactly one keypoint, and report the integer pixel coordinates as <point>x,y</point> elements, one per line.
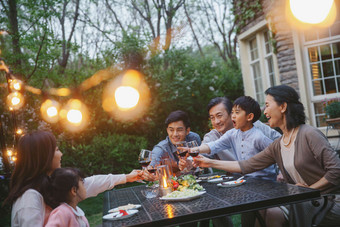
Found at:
<point>269,58</point>
<point>256,70</point>
<point>323,49</point>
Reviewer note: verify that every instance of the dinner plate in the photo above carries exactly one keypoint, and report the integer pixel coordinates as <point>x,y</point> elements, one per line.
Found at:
<point>112,216</point>
<point>187,198</point>
<point>132,207</point>
<point>231,183</point>
<point>218,180</point>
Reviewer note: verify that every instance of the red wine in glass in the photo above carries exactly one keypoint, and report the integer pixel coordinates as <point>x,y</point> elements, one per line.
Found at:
<point>194,153</point>
<point>182,154</point>
<point>144,163</point>
<point>152,170</point>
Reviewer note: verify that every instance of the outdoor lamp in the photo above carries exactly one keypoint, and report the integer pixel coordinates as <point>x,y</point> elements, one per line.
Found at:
<point>15,85</point>
<point>74,115</point>
<point>19,131</point>
<point>50,111</point>
<point>9,152</point>
<point>313,11</point>
<point>15,100</point>
<point>126,97</point>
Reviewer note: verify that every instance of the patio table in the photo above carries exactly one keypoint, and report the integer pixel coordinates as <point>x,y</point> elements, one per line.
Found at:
<point>253,195</point>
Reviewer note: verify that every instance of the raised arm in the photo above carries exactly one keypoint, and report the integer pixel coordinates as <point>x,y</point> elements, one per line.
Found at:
<point>229,166</point>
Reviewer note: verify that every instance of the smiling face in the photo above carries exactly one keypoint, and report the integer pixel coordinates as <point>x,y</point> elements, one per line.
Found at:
<point>240,119</point>
<point>274,112</point>
<point>220,119</point>
<point>177,131</point>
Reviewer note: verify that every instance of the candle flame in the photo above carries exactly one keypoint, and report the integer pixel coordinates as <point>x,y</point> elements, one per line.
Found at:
<point>165,184</point>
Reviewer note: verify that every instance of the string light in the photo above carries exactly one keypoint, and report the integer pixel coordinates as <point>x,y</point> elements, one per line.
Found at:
<point>9,152</point>
<point>74,115</point>
<point>15,85</point>
<point>126,97</point>
<point>19,131</point>
<point>15,100</point>
<point>50,111</point>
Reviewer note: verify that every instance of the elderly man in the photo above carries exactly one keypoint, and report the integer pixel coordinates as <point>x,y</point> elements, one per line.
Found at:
<point>178,129</point>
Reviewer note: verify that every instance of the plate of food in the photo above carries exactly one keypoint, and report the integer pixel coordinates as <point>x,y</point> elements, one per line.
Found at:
<point>186,182</point>
<point>125,207</point>
<point>220,179</point>
<point>184,195</point>
<point>120,214</point>
<point>231,183</point>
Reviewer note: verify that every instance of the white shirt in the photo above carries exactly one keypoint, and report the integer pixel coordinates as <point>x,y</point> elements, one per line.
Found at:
<point>30,209</point>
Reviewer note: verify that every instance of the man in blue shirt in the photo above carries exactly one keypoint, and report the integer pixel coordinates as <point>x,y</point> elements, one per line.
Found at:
<point>178,129</point>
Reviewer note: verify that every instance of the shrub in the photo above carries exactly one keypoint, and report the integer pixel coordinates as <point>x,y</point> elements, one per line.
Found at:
<point>113,153</point>
<point>333,109</point>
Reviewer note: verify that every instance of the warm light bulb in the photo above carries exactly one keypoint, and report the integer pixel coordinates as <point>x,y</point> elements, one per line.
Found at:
<point>9,152</point>
<point>311,11</point>
<point>126,97</point>
<point>74,116</point>
<point>49,111</point>
<point>52,111</point>
<point>19,131</point>
<point>15,101</point>
<point>15,84</point>
<point>14,158</point>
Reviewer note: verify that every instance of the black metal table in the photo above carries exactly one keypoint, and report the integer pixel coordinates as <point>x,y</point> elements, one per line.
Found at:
<point>253,195</point>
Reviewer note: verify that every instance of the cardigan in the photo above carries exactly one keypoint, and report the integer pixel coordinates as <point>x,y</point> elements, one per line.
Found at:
<point>314,158</point>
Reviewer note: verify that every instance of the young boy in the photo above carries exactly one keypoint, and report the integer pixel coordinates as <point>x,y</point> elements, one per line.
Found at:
<point>244,139</point>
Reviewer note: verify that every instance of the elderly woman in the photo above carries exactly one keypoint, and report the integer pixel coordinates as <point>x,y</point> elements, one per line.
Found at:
<point>38,157</point>
<point>303,154</point>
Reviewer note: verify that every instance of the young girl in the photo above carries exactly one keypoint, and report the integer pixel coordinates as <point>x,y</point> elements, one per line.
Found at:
<point>63,192</point>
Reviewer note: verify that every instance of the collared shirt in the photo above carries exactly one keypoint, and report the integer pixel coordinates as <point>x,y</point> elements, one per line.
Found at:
<point>165,149</point>
<point>244,146</point>
<point>228,154</point>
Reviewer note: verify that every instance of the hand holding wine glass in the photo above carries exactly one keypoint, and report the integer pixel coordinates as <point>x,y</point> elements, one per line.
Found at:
<point>144,158</point>
<point>194,149</point>
<point>182,150</point>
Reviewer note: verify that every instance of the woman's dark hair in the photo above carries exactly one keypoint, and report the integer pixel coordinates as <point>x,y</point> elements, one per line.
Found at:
<point>61,182</point>
<point>224,100</point>
<point>295,114</point>
<point>249,105</point>
<point>35,153</point>
<point>178,115</point>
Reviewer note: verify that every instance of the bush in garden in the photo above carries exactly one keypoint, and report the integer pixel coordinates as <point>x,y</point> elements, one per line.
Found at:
<point>112,153</point>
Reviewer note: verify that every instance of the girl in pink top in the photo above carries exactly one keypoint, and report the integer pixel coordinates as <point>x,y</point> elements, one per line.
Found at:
<point>63,192</point>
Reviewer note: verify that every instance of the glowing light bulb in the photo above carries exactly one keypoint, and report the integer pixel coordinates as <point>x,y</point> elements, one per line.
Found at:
<point>311,11</point>
<point>15,100</point>
<point>74,116</point>
<point>52,111</point>
<point>15,84</point>
<point>19,131</point>
<point>14,158</point>
<point>9,152</point>
<point>49,111</point>
<point>126,97</point>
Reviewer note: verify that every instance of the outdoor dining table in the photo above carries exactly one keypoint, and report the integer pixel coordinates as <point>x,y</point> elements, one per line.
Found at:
<point>217,201</point>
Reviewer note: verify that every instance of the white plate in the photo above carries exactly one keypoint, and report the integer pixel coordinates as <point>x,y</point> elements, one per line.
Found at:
<point>112,216</point>
<point>197,181</point>
<point>218,180</point>
<point>133,207</point>
<point>187,198</point>
<point>231,183</point>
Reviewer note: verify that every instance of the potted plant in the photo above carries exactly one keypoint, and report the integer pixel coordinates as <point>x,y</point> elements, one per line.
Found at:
<point>333,113</point>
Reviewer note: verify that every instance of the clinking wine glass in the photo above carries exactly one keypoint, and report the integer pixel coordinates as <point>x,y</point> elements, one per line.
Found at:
<point>182,152</point>
<point>144,158</point>
<point>193,151</point>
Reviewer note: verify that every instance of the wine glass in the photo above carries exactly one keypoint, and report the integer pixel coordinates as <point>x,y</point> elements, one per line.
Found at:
<point>193,151</point>
<point>144,158</point>
<point>182,152</point>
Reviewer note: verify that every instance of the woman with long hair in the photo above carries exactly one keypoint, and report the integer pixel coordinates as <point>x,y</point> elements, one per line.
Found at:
<point>303,154</point>
<point>38,156</point>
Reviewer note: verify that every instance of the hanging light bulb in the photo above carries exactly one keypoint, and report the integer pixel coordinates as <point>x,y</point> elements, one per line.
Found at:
<point>50,111</point>
<point>127,97</point>
<point>15,85</point>
<point>13,158</point>
<point>15,100</point>
<point>9,152</point>
<point>19,131</point>
<point>74,115</point>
